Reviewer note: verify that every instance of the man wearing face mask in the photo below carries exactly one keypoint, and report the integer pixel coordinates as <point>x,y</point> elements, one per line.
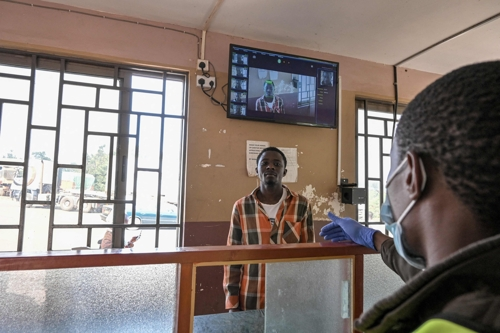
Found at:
<point>441,206</point>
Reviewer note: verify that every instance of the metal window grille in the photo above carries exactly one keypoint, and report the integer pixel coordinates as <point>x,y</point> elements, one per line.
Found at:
<point>104,137</point>
<point>374,126</point>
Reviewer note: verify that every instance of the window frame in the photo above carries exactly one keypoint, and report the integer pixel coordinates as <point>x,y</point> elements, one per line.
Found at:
<point>389,106</point>
<point>117,71</point>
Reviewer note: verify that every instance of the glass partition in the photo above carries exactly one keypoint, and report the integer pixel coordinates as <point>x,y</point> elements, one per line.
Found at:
<point>309,296</point>
<point>379,280</point>
<point>301,296</point>
<point>101,299</point>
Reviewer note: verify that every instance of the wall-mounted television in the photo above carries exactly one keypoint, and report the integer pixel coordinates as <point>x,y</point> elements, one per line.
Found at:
<point>282,88</point>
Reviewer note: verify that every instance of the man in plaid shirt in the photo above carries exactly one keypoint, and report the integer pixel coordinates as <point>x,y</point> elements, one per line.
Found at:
<point>271,214</point>
<point>270,102</point>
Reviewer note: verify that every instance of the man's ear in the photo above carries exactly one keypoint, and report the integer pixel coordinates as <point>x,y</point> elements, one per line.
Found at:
<point>414,176</point>
<point>256,170</point>
<point>284,172</point>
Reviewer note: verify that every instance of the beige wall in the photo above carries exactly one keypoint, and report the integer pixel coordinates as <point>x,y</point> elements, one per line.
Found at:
<point>211,191</point>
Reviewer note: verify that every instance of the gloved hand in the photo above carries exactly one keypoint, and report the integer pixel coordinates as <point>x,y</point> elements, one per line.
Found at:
<point>347,229</point>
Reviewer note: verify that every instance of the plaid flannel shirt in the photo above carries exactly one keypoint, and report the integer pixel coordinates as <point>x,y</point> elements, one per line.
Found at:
<point>244,285</point>
<point>278,106</point>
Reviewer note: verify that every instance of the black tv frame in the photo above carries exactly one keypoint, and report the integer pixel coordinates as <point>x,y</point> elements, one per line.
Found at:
<point>317,105</point>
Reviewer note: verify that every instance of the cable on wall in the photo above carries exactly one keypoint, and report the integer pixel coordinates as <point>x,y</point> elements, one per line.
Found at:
<point>212,88</point>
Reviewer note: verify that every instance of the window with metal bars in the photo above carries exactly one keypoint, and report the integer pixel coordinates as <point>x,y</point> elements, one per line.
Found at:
<point>91,154</point>
<point>374,132</point>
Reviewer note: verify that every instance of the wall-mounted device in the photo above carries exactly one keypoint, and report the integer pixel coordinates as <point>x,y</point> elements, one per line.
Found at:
<point>282,88</point>
<point>351,194</point>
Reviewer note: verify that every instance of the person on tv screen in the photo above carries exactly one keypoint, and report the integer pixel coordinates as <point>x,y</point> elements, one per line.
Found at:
<point>269,102</point>
<point>238,84</point>
<point>241,59</point>
<point>271,214</point>
<point>237,97</point>
<point>240,72</point>
<point>326,79</point>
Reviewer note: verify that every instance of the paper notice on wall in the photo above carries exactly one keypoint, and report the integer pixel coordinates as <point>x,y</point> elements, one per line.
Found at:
<point>253,150</point>
<point>292,166</point>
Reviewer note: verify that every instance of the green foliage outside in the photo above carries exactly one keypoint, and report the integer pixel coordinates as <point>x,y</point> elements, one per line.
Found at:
<point>41,155</point>
<point>97,165</point>
<point>374,202</point>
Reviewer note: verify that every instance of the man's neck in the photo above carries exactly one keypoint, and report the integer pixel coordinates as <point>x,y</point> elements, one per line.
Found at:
<point>270,194</point>
<point>269,99</point>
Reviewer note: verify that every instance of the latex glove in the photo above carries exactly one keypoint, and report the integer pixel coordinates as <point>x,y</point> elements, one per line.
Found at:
<point>341,229</point>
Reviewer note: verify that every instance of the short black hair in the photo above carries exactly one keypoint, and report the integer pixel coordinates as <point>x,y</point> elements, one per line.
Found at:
<point>271,149</point>
<point>455,122</point>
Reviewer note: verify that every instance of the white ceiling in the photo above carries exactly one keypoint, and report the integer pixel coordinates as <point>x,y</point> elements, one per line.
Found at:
<point>382,31</point>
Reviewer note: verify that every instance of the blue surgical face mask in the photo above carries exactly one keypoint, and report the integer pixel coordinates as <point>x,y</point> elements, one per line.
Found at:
<point>395,226</point>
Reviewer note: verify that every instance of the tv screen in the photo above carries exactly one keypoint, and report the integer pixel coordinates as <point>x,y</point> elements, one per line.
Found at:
<point>282,88</point>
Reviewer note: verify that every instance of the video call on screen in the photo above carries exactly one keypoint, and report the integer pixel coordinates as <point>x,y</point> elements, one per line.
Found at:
<point>306,88</point>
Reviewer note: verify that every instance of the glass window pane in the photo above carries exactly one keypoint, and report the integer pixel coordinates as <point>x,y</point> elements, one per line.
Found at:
<point>361,161</point>
<point>68,193</point>
<point>168,238</point>
<point>361,213</point>
<point>147,193</point>
<point>389,125</point>
<point>131,165</point>
<point>376,127</point>
<point>378,114</point>
<point>168,212</point>
<point>147,83</point>
<point>97,164</point>
<point>374,200</point>
<point>8,239</point>
<point>13,131</point>
<point>361,121</point>
<point>174,97</point>
<point>42,144</point>
<point>71,136</point>
<point>171,166</point>
<point>88,79</point>
<point>386,146</point>
<point>105,122</point>
<point>66,239</point>
<point>41,165</point>
<point>109,99</point>
<point>15,70</point>
<point>14,89</point>
<point>10,208</point>
<point>144,102</point>
<point>79,95</point>
<point>373,158</point>
<point>46,98</point>
<point>133,124</point>
<point>36,229</point>
<point>149,142</point>
<point>386,160</point>
<point>112,176</point>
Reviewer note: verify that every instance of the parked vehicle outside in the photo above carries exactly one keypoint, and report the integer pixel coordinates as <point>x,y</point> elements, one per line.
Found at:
<point>145,213</point>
